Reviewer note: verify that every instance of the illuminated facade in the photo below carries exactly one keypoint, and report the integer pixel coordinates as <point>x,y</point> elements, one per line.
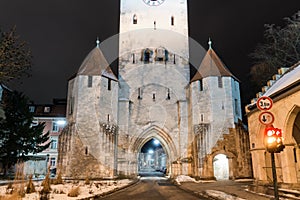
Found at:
<point>111,118</point>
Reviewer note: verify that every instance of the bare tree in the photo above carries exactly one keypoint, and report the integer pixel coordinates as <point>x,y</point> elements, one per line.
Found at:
<point>15,56</point>
<point>280,49</point>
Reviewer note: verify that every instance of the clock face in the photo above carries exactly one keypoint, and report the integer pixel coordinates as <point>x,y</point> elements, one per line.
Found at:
<point>153,2</point>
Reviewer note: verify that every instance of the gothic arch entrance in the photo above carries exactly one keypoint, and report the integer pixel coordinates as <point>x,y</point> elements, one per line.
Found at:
<point>152,159</point>
<point>221,167</point>
<point>167,147</point>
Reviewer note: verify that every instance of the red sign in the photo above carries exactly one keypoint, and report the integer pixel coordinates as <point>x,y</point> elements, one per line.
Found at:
<point>264,103</point>
<point>266,118</point>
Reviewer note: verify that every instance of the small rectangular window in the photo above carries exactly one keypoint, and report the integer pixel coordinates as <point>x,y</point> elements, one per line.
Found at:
<point>54,127</point>
<point>31,109</point>
<point>109,84</point>
<point>47,109</point>
<point>220,83</point>
<point>200,85</point>
<point>236,106</point>
<point>139,93</point>
<point>52,162</point>
<point>172,21</point>
<point>90,81</point>
<point>53,144</point>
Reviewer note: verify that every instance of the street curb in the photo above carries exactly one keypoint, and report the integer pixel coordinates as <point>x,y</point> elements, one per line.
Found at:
<point>102,195</point>
<point>197,194</point>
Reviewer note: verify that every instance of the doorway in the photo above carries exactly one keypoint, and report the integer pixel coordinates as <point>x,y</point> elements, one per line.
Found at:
<point>152,159</point>
<point>221,167</point>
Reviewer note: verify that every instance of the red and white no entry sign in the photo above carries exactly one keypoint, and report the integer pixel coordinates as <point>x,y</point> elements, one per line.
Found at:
<point>264,103</point>
<point>266,118</point>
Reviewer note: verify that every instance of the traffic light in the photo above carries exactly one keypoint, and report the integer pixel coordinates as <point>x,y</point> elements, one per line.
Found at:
<point>274,140</point>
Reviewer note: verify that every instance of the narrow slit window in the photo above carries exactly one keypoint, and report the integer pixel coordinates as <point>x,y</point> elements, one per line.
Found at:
<point>90,81</point>
<point>168,94</point>
<point>71,105</point>
<point>172,21</point>
<point>236,106</point>
<point>174,59</point>
<point>134,19</point>
<point>109,84</point>
<point>220,83</point>
<point>86,151</point>
<point>133,58</point>
<point>108,118</point>
<point>139,94</point>
<point>202,117</point>
<point>153,96</point>
<point>200,85</point>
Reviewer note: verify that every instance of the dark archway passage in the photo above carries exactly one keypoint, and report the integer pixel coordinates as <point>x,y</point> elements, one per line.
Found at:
<point>152,159</point>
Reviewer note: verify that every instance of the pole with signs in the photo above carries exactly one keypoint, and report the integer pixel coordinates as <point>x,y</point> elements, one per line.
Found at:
<point>273,137</point>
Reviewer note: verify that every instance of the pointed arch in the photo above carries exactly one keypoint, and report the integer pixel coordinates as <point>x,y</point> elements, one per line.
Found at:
<point>157,133</point>
<point>292,126</point>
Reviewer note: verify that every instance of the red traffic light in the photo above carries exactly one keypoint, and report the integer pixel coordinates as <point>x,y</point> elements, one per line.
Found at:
<point>273,139</point>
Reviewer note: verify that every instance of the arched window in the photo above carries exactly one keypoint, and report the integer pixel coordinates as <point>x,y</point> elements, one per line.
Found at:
<point>134,19</point>
<point>147,54</point>
<point>172,21</point>
<point>161,54</point>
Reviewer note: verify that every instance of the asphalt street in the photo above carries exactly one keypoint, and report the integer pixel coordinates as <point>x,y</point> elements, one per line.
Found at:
<point>152,188</point>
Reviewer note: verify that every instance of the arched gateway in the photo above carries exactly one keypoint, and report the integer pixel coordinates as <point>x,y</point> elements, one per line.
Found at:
<point>111,117</point>
<point>165,141</point>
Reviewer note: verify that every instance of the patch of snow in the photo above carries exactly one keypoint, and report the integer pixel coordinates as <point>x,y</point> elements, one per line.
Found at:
<point>183,178</point>
<point>85,191</point>
<point>286,80</point>
<point>221,195</point>
<point>244,180</point>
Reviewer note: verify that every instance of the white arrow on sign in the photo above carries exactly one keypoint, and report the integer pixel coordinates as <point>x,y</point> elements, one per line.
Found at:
<point>266,118</point>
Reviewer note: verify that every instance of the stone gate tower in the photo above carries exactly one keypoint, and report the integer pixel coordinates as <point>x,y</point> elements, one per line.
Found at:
<point>154,79</point>
<point>111,118</point>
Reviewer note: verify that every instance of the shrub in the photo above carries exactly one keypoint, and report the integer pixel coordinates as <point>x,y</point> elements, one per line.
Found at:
<point>30,186</point>
<point>74,192</point>
<point>46,185</point>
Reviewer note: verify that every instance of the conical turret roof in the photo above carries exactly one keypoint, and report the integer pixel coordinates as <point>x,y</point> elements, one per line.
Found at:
<point>95,64</point>
<point>211,65</point>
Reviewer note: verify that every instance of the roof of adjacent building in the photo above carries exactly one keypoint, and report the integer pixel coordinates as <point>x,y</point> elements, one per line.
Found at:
<point>57,109</point>
<point>211,65</point>
<point>287,80</point>
<point>95,64</point>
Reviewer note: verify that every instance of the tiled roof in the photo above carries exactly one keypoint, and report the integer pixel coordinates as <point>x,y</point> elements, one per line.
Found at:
<point>95,64</point>
<point>211,65</point>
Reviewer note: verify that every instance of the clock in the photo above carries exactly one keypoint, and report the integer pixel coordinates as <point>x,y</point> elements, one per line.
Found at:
<point>153,2</point>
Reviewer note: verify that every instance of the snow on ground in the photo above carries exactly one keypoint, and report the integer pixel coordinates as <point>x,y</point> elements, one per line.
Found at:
<point>61,191</point>
<point>184,178</point>
<point>221,195</point>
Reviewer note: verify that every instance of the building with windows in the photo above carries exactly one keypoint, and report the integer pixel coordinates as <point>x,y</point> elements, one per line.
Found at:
<point>284,90</point>
<point>195,117</point>
<point>54,117</point>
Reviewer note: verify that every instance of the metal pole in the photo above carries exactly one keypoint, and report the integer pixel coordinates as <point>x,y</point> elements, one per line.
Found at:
<point>274,176</point>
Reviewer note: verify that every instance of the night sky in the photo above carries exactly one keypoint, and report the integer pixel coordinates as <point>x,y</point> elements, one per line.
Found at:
<point>61,33</point>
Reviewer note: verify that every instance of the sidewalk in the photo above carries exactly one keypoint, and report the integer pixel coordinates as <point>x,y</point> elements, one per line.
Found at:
<point>229,190</point>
